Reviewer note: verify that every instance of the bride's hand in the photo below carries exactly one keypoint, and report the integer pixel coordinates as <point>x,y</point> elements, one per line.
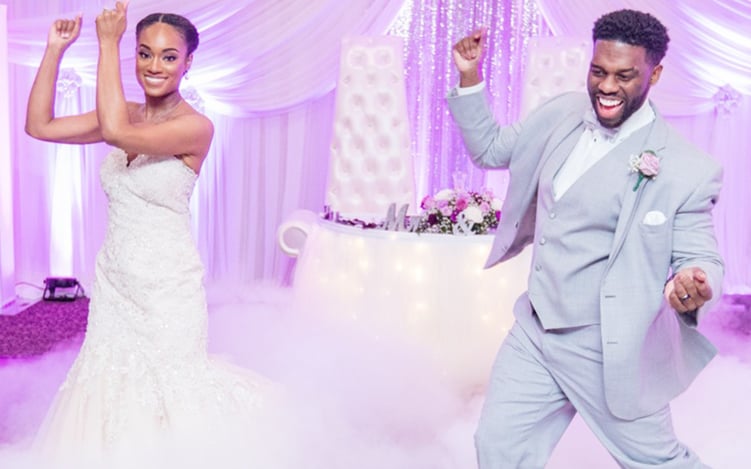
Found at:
<point>64,32</point>
<point>111,24</point>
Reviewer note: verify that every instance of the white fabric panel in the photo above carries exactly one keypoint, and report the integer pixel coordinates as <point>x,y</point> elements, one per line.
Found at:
<point>255,56</point>
<point>370,165</point>
<point>7,245</point>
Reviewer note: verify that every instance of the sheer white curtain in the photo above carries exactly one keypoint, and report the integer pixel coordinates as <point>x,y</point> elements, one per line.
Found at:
<point>260,170</point>
<point>256,55</point>
<point>7,245</point>
<point>704,91</point>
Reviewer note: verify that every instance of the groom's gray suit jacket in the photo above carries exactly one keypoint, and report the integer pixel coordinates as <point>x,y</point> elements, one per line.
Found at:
<point>650,353</point>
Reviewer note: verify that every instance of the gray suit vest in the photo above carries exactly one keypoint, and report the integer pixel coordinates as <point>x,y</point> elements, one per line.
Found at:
<point>573,239</point>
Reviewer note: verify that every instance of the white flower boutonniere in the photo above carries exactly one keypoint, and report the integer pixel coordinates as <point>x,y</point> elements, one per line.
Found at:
<point>647,164</point>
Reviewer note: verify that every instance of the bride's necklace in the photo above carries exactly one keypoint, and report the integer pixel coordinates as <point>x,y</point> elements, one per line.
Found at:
<point>160,114</point>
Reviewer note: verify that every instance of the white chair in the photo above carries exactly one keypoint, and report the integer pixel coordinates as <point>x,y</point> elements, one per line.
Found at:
<point>370,166</point>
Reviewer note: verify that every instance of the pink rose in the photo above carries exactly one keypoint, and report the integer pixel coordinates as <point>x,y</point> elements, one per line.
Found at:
<point>649,164</point>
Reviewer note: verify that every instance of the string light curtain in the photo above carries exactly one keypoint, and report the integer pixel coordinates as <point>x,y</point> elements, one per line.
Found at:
<point>430,30</point>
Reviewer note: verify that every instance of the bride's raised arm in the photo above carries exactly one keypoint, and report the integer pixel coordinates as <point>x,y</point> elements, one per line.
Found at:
<point>41,122</point>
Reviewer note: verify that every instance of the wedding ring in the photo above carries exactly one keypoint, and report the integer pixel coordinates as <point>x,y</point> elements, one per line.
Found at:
<point>684,297</point>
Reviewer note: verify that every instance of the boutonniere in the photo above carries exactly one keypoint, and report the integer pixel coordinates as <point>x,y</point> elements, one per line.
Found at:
<point>647,164</point>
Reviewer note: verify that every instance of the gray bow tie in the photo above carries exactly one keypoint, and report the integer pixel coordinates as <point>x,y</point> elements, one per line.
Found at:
<point>590,121</point>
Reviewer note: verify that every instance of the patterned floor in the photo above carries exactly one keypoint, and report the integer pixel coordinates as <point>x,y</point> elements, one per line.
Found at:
<point>38,328</point>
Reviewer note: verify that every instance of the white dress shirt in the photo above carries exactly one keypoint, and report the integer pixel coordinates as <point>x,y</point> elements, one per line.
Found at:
<point>596,142</point>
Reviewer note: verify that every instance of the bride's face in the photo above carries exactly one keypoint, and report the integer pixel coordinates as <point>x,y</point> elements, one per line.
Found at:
<point>161,59</point>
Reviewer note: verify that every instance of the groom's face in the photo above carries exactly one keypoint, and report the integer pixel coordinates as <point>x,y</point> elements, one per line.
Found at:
<point>619,79</point>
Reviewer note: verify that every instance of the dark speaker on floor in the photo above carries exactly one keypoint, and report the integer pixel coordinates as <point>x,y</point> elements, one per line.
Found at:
<point>61,289</point>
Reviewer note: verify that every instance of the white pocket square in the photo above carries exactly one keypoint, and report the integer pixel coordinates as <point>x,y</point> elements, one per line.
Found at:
<point>655,217</point>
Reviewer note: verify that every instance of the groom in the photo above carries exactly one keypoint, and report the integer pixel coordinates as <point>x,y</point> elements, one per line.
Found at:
<point>617,207</point>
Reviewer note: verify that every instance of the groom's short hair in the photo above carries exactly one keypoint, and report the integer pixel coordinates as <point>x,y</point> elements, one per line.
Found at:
<point>636,28</point>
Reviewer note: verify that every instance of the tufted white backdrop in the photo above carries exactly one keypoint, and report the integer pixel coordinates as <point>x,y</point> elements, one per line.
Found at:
<point>555,65</point>
<point>371,165</point>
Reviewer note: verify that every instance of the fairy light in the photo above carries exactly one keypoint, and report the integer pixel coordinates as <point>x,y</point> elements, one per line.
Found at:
<point>429,31</point>
<point>431,290</point>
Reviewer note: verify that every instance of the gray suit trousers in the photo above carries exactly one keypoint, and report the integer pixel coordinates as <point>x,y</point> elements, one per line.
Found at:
<point>540,380</point>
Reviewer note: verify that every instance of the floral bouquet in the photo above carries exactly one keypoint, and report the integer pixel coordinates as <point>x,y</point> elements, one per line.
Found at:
<point>459,212</point>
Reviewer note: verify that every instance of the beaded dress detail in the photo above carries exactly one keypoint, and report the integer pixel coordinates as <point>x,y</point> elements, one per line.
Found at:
<point>143,379</point>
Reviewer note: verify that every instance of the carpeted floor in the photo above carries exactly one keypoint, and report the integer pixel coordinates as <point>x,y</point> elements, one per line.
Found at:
<point>38,328</point>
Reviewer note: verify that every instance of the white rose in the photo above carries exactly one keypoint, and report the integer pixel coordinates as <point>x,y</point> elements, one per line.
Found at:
<point>473,214</point>
<point>445,194</point>
<point>496,204</point>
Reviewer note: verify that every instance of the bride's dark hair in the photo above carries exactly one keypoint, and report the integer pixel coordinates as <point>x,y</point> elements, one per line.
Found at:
<point>187,30</point>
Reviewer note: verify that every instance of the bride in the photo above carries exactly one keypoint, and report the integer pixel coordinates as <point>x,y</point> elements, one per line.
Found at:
<point>142,391</point>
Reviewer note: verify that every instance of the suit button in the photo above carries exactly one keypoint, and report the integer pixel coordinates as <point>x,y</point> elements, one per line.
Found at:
<point>516,225</point>
<point>538,267</point>
<point>543,241</point>
<point>551,215</point>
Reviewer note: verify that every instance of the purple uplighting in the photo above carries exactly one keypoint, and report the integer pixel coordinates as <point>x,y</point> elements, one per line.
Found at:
<point>391,385</point>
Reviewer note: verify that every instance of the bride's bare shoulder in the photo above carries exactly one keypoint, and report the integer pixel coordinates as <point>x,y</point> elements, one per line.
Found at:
<point>190,112</point>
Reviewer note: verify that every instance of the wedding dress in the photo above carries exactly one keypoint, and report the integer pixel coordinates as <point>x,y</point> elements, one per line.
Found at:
<point>143,392</point>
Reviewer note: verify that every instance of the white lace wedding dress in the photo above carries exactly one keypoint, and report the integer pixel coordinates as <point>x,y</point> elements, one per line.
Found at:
<point>143,392</point>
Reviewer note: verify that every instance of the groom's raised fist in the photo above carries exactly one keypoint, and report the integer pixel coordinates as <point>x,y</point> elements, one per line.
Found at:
<point>467,54</point>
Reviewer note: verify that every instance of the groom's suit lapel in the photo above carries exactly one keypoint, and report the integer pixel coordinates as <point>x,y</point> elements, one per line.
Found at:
<point>566,138</point>
<point>560,144</point>
<point>652,137</point>
<point>521,197</point>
